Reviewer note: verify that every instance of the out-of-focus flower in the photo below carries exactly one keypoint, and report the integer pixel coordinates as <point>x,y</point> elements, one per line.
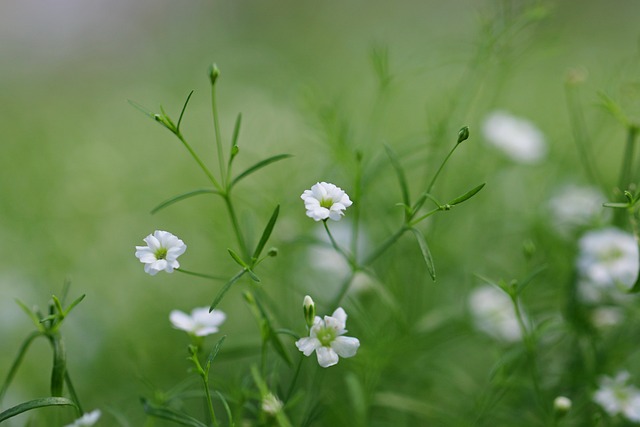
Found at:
<point>517,138</point>
<point>271,404</point>
<point>561,405</point>
<point>616,397</point>
<point>200,323</point>
<point>574,206</point>
<point>161,253</point>
<point>327,340</point>
<point>87,419</point>
<point>324,201</point>
<point>493,313</point>
<point>604,316</point>
<point>607,259</point>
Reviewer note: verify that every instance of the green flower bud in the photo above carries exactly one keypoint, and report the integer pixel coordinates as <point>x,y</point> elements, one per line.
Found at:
<point>463,134</point>
<point>561,405</point>
<point>214,73</point>
<point>309,308</point>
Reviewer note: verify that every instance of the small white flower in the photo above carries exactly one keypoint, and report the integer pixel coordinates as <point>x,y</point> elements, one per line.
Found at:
<point>327,340</point>
<point>562,404</point>
<point>575,206</point>
<point>200,323</point>
<point>324,201</point>
<point>271,404</point>
<point>517,138</point>
<point>87,419</point>
<point>616,397</point>
<point>608,258</point>
<point>494,314</point>
<point>161,253</point>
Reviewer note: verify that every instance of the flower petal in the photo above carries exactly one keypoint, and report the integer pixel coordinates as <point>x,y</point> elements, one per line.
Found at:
<point>326,357</point>
<point>345,346</point>
<point>307,345</point>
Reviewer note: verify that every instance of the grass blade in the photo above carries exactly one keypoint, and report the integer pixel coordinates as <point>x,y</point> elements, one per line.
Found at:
<point>259,166</point>
<point>35,404</point>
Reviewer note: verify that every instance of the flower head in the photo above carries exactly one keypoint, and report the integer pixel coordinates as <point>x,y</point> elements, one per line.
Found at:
<point>494,314</point>
<point>573,207</point>
<point>200,323</point>
<point>161,253</point>
<point>87,419</point>
<point>616,397</point>
<point>519,139</point>
<point>608,258</point>
<point>324,201</point>
<point>327,340</point>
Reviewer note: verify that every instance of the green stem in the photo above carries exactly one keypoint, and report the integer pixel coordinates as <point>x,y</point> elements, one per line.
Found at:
<point>335,245</point>
<point>200,163</point>
<point>216,126</point>
<point>72,392</point>
<point>444,162</point>
<point>384,246</point>
<point>342,291</point>
<point>59,364</point>
<point>356,209</point>
<point>205,383</point>
<point>236,226</point>
<point>205,276</point>
<point>425,216</point>
<point>295,378</point>
<point>18,360</point>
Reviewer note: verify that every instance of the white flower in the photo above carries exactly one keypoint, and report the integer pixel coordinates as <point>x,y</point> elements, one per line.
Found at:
<point>324,201</point>
<point>200,323</point>
<point>327,340</point>
<point>494,314</point>
<point>161,253</point>
<point>608,258</point>
<point>87,419</point>
<point>517,138</point>
<point>562,404</point>
<point>616,397</point>
<point>575,206</point>
<point>271,404</point>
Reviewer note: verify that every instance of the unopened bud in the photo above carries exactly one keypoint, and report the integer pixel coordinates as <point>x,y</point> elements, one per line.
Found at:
<point>309,308</point>
<point>214,73</point>
<point>561,405</point>
<point>463,134</point>
<point>273,252</point>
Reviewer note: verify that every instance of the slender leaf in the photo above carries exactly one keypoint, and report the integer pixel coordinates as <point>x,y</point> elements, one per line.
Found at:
<point>35,404</point>
<point>170,414</point>
<point>214,353</point>
<point>237,259</point>
<point>141,108</point>
<point>259,166</point>
<point>224,290</point>
<point>74,304</point>
<point>34,318</point>
<point>616,205</point>
<point>400,173</point>
<point>272,335</point>
<point>184,107</point>
<point>266,233</point>
<point>226,408</point>
<point>183,196</point>
<point>236,131</point>
<point>426,253</point>
<point>17,361</point>
<point>466,196</point>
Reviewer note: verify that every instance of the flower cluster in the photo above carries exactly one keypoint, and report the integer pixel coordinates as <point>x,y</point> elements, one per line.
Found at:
<point>616,397</point>
<point>573,207</point>
<point>493,313</point>
<point>161,253</point>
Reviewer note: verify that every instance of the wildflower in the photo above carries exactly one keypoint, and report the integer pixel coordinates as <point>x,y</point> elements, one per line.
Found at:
<point>494,314</point>
<point>616,397</point>
<point>324,201</point>
<point>161,253</point>
<point>327,340</point>
<point>608,258</point>
<point>200,323</point>
<point>574,206</point>
<point>271,404</point>
<point>561,405</point>
<point>87,419</point>
<point>519,139</point>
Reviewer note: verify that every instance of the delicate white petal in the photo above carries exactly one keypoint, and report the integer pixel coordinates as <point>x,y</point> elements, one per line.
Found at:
<point>203,331</point>
<point>181,320</point>
<point>326,357</point>
<point>340,315</point>
<point>345,346</point>
<point>308,345</point>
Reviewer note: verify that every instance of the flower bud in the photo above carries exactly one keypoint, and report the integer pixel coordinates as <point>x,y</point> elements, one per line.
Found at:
<point>273,252</point>
<point>309,309</point>
<point>214,73</point>
<point>463,134</point>
<point>561,405</point>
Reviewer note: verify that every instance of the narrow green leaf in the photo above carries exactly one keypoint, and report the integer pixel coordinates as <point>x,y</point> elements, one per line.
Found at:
<point>170,414</point>
<point>466,196</point>
<point>141,108</point>
<point>227,409</point>
<point>266,233</point>
<point>17,361</point>
<point>272,335</point>
<point>224,290</point>
<point>237,259</point>
<point>35,404</point>
<point>253,276</point>
<point>259,166</point>
<point>214,353</point>
<point>426,253</point>
<point>400,173</point>
<point>236,131</point>
<point>527,280</point>
<point>74,304</point>
<point>616,205</point>
<point>184,107</point>
<point>34,318</point>
<point>183,196</point>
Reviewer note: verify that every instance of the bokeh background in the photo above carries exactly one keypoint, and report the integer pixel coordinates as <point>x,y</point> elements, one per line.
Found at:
<point>80,169</point>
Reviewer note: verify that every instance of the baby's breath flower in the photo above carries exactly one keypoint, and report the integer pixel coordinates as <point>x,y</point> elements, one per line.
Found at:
<point>573,207</point>
<point>200,323</point>
<point>271,404</point>
<point>517,138</point>
<point>327,340</point>
<point>616,397</point>
<point>87,419</point>
<point>494,314</point>
<point>562,405</point>
<point>161,253</point>
<point>324,201</point>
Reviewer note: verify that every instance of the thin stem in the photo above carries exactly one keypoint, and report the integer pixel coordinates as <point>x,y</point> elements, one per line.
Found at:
<point>59,364</point>
<point>356,209</point>
<point>216,126</point>
<point>384,246</point>
<point>18,360</point>
<point>200,163</point>
<point>444,162</point>
<point>626,171</point>
<point>72,392</point>
<point>295,379</point>
<point>205,276</point>
<point>205,383</point>
<point>425,216</point>
<point>236,226</point>
<point>344,287</point>
<point>337,247</point>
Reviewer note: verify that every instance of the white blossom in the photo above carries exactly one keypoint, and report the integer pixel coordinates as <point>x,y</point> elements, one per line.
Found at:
<point>573,207</point>
<point>518,138</point>
<point>324,201</point>
<point>607,259</point>
<point>271,404</point>
<point>161,253</point>
<point>616,397</point>
<point>327,340</point>
<point>494,314</point>
<point>562,404</point>
<point>87,419</point>
<point>200,323</point>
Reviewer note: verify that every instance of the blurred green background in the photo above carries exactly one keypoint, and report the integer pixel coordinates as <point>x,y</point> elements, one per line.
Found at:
<point>80,169</point>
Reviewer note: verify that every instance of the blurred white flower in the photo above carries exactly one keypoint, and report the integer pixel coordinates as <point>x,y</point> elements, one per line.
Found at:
<point>324,201</point>
<point>271,404</point>
<point>607,259</point>
<point>517,138</point>
<point>562,404</point>
<point>616,397</point>
<point>161,253</point>
<point>327,340</point>
<point>604,317</point>
<point>87,419</point>
<point>574,206</point>
<point>493,313</point>
<point>200,323</point>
